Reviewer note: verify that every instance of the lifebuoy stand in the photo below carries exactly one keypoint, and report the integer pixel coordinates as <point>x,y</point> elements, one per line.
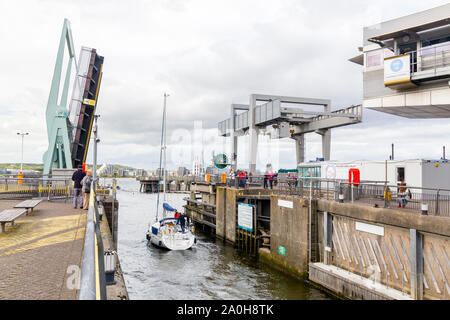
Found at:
<point>354,176</point>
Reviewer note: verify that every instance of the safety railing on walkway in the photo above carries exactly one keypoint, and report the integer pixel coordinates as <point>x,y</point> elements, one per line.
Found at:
<point>376,193</point>
<point>31,187</point>
<point>431,201</point>
<point>92,281</point>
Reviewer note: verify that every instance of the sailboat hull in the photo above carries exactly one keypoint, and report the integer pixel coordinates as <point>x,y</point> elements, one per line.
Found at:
<point>170,238</point>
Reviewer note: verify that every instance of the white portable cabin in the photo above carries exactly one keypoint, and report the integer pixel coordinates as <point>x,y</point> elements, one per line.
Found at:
<point>416,173</point>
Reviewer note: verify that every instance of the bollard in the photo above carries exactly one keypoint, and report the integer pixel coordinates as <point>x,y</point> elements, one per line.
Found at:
<point>20,178</point>
<point>424,207</point>
<point>110,267</point>
<point>100,212</point>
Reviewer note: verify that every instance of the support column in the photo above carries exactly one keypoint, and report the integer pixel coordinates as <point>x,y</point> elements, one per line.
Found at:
<point>60,157</point>
<point>416,263</point>
<point>326,137</point>
<point>326,145</point>
<point>253,131</point>
<point>234,149</point>
<point>299,148</point>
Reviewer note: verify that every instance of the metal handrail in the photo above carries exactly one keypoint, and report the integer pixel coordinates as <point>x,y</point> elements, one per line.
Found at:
<point>437,59</point>
<point>375,183</point>
<point>92,281</point>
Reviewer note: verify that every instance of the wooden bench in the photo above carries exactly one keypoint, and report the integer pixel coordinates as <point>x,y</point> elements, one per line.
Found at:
<point>28,204</point>
<point>10,215</point>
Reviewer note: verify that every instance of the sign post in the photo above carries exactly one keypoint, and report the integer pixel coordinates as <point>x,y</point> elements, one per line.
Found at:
<point>245,216</point>
<point>397,70</point>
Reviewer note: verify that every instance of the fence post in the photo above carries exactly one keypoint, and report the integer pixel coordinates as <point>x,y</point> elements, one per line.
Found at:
<point>436,213</point>
<point>352,190</point>
<point>114,187</point>
<point>385,196</point>
<point>327,190</point>
<point>416,264</point>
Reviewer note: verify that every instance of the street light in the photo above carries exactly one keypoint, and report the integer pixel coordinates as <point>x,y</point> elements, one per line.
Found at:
<point>22,134</point>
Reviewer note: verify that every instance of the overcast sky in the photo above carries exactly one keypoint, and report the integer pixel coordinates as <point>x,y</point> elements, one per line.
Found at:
<point>206,55</point>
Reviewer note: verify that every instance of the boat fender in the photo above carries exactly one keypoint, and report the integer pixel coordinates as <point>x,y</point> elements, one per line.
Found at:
<point>148,236</point>
<point>195,240</point>
<point>159,243</point>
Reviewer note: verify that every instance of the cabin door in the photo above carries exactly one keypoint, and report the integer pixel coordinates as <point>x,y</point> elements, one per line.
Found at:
<point>400,174</point>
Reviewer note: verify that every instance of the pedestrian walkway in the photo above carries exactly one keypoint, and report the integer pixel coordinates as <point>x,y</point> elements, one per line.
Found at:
<point>40,255</point>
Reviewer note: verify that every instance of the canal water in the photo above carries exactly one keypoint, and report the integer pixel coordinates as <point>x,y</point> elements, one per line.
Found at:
<point>210,270</point>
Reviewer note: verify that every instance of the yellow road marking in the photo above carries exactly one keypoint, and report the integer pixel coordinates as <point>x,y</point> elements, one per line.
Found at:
<point>71,235</point>
<point>26,230</point>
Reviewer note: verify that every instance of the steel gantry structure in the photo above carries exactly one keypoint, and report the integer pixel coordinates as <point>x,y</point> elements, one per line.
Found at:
<point>292,121</point>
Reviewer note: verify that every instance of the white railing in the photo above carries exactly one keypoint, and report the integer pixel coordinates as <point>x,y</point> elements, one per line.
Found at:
<point>432,59</point>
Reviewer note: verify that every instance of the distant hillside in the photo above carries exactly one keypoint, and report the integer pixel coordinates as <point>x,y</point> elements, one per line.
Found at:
<point>40,166</point>
<point>26,166</point>
<point>118,166</point>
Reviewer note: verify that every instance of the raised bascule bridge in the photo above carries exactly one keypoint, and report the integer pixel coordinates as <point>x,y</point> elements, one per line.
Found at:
<point>40,224</point>
<point>69,128</point>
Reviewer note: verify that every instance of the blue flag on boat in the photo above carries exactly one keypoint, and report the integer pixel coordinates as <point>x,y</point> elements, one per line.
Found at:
<point>167,207</point>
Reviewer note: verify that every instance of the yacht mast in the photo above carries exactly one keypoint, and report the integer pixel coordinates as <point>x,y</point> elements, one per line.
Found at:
<point>165,144</point>
<point>160,157</point>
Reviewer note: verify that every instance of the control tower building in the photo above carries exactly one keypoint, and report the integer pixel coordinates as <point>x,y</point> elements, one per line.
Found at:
<point>406,65</point>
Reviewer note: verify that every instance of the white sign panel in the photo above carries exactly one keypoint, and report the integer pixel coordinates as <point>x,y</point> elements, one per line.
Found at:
<point>370,228</point>
<point>245,216</point>
<point>285,203</point>
<point>397,70</point>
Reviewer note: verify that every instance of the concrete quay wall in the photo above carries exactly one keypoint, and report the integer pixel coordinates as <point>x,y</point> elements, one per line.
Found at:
<point>400,250</point>
<point>404,250</point>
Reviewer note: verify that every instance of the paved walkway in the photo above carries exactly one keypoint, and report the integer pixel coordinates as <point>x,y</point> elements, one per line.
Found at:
<point>40,255</point>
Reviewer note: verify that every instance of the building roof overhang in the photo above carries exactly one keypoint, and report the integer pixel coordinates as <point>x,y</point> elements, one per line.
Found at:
<point>359,59</point>
<point>413,23</point>
<point>416,29</point>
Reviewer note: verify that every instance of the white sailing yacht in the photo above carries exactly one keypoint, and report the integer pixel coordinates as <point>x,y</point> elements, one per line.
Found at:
<point>172,232</point>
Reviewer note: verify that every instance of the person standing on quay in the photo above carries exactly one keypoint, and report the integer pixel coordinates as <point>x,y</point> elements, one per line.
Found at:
<point>86,188</point>
<point>76,178</point>
<point>270,178</point>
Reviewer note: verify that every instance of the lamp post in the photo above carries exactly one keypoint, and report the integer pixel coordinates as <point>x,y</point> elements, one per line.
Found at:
<point>96,141</point>
<point>22,134</point>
